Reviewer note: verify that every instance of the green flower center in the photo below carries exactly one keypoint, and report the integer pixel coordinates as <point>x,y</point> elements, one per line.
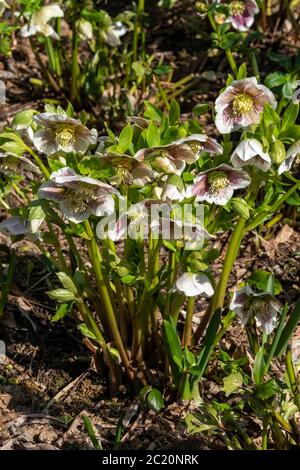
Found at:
<point>242,105</point>
<point>217,181</point>
<point>123,168</point>
<point>195,146</point>
<point>237,8</point>
<point>80,198</point>
<point>65,136</point>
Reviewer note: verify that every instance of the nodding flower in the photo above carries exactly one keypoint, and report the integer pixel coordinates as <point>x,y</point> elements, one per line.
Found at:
<point>60,133</point>
<point>78,196</point>
<point>218,184</point>
<point>39,22</point>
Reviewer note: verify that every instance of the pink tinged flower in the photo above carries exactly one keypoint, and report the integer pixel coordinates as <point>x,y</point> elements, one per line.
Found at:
<point>129,170</point>
<point>39,22</point>
<point>12,164</point>
<point>291,155</point>
<point>78,196</point>
<point>113,33</point>
<point>250,152</point>
<point>264,307</point>
<point>60,133</point>
<point>242,14</point>
<point>191,285</point>
<point>241,105</point>
<point>172,158</point>
<point>218,184</point>
<point>169,192</point>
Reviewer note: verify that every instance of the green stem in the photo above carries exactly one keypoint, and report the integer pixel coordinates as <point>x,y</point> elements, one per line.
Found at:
<point>187,332</point>
<point>292,377</point>
<point>4,204</point>
<point>137,28</point>
<point>96,261</point>
<point>39,162</point>
<point>74,77</point>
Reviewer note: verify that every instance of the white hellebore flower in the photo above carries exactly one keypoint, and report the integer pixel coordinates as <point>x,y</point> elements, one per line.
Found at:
<point>39,22</point>
<point>113,34</point>
<point>14,164</point>
<point>292,153</point>
<point>242,14</point>
<point>264,307</point>
<point>62,133</point>
<point>191,285</point>
<point>17,225</point>
<point>78,196</point>
<point>241,105</point>
<point>218,184</point>
<point>250,152</point>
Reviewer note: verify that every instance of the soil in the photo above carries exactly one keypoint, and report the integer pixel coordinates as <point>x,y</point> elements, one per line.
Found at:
<point>48,381</point>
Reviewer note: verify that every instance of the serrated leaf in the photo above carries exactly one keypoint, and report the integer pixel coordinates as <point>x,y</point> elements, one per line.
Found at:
<point>232,383</point>
<point>125,139</point>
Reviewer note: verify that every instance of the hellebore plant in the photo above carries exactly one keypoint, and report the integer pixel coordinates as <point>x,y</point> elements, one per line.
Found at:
<point>128,222</point>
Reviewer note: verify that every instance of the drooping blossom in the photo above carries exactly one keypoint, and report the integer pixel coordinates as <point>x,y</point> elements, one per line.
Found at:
<point>78,196</point>
<point>264,307</point>
<point>191,285</point>
<point>13,164</point>
<point>16,225</point>
<point>242,14</point>
<point>218,184</point>
<point>85,28</point>
<point>172,158</point>
<point>39,22</point>
<point>251,152</point>
<point>291,155</point>
<point>128,170</point>
<point>62,133</point>
<point>241,104</point>
<point>113,33</point>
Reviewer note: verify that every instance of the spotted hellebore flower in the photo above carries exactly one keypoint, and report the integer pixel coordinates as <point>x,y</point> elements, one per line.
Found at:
<point>129,170</point>
<point>191,285</point>
<point>264,307</point>
<point>291,155</point>
<point>242,14</point>
<point>218,184</point>
<point>241,104</point>
<point>173,157</point>
<point>39,22</point>
<point>78,196</point>
<point>250,152</point>
<point>62,133</point>
<point>14,164</point>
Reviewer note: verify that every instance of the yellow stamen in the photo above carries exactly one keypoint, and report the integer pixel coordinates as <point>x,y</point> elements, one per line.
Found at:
<point>237,8</point>
<point>242,105</point>
<point>217,181</point>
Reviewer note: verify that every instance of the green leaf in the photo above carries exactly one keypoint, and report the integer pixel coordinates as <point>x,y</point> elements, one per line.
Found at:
<point>275,79</point>
<point>85,331</point>
<point>288,330</point>
<point>259,366</point>
<point>232,383</point>
<point>268,389</point>
<point>259,278</point>
<point>242,72</point>
<point>125,139</point>
<point>209,340</point>
<point>23,119</point>
<point>173,347</point>
<point>163,69</point>
<point>201,109</point>
<point>155,400</point>
<point>152,112</point>
<point>174,113</point>
<point>90,430</point>
<point>61,295</point>
<point>67,282</point>
<point>153,135</point>
<point>61,312</point>
<point>290,116</point>
<point>139,68</point>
